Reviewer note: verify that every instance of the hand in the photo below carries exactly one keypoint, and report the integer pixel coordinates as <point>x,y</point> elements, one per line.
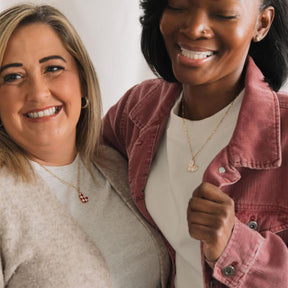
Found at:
<point>211,218</point>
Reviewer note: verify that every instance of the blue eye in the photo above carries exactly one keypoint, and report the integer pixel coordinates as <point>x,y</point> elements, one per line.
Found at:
<point>54,68</point>
<point>12,77</point>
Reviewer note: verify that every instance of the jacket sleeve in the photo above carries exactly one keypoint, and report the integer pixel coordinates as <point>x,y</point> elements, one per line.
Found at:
<point>114,123</point>
<point>261,262</point>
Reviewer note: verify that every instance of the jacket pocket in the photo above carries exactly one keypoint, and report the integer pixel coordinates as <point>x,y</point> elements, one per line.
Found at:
<point>265,218</point>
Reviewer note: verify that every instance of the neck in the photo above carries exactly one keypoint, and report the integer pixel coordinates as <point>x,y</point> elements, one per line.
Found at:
<point>61,157</point>
<point>205,100</point>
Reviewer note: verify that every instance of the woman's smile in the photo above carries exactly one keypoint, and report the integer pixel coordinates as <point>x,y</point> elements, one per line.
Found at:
<point>43,113</point>
<point>196,55</point>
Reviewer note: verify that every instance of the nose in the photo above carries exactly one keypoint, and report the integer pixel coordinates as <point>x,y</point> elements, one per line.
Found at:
<point>38,88</point>
<point>196,25</point>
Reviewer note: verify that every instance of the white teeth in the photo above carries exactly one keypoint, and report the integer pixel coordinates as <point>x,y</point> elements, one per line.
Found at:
<point>195,55</point>
<point>47,112</point>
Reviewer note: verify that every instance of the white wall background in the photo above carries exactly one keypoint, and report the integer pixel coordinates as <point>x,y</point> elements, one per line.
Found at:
<point>110,30</point>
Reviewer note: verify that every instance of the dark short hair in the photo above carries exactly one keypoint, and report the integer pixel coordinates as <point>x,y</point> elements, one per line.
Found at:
<point>270,54</point>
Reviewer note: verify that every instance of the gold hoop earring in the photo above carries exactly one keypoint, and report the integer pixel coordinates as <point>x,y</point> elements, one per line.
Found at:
<point>84,102</point>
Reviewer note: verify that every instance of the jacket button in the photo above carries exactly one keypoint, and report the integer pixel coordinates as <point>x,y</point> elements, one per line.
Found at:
<point>253,225</point>
<point>228,271</point>
<point>222,170</point>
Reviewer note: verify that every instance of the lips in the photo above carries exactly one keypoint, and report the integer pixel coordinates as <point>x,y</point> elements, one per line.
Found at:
<point>195,55</point>
<point>44,113</point>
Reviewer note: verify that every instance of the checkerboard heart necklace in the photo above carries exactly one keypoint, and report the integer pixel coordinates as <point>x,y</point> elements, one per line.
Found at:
<point>192,166</point>
<point>83,199</point>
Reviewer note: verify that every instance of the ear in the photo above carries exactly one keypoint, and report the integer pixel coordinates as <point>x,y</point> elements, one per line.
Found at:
<point>264,23</point>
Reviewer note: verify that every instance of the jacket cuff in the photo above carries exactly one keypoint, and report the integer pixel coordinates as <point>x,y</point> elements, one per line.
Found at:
<point>238,256</point>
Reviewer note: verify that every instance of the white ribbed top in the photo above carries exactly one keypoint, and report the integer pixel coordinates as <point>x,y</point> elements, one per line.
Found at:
<point>170,186</point>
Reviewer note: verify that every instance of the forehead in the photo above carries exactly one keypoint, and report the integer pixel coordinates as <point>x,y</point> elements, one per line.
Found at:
<point>33,32</point>
<point>219,2</point>
<point>246,6</point>
<point>33,40</point>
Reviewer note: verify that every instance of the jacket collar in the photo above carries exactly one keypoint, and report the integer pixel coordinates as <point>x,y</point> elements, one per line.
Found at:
<point>255,142</point>
<point>256,139</point>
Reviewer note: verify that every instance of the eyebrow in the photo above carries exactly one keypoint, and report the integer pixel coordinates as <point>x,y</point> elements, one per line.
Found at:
<point>43,60</point>
<point>10,65</point>
<point>220,1</point>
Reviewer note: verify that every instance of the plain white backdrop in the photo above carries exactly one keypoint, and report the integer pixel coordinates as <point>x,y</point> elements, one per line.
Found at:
<point>110,30</point>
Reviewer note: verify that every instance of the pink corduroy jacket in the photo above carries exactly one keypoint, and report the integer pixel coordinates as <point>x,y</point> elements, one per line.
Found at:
<point>255,175</point>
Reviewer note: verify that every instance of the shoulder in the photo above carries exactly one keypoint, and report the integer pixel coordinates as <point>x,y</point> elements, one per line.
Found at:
<point>150,101</point>
<point>20,195</point>
<point>143,105</point>
<point>283,104</point>
<point>283,99</point>
<point>11,184</point>
<point>109,157</point>
<point>7,178</point>
<point>149,96</point>
<point>152,85</point>
<point>143,98</point>
<point>153,89</point>
<point>113,166</point>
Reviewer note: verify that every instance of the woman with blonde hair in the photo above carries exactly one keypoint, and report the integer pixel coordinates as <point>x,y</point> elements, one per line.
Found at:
<point>67,219</point>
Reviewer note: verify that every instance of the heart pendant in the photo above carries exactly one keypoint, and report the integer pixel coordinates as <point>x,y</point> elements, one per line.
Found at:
<point>83,199</point>
<point>192,167</point>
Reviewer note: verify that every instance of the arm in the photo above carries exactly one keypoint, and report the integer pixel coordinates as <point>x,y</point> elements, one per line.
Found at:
<point>242,257</point>
<point>112,123</point>
<point>260,260</point>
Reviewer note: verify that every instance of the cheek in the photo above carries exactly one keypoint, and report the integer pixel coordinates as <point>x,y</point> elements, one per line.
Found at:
<point>10,101</point>
<point>167,26</point>
<point>238,38</point>
<point>67,87</point>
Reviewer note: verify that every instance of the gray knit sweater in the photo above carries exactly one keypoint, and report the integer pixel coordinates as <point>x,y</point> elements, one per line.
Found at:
<point>41,245</point>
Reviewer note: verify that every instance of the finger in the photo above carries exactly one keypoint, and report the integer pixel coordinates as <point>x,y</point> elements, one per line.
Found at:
<point>210,192</point>
<point>204,219</point>
<point>205,206</point>
<point>205,234</point>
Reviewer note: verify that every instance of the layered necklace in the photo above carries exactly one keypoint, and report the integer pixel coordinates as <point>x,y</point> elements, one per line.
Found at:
<point>192,166</point>
<point>82,198</point>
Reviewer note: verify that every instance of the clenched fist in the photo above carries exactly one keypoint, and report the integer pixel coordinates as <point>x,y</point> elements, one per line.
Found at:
<point>211,218</point>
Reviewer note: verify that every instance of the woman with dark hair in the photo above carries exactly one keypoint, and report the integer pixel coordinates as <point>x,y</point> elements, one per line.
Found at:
<point>208,143</point>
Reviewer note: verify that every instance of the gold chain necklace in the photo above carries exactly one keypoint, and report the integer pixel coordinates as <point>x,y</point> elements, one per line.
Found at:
<point>83,199</point>
<point>192,167</point>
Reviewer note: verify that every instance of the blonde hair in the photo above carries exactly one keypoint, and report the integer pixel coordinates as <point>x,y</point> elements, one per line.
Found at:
<point>89,124</point>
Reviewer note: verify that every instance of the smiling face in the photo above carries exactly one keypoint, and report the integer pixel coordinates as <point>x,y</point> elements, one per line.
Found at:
<point>208,40</point>
<point>40,92</point>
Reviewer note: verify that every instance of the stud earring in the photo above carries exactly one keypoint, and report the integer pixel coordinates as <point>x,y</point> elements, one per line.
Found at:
<point>204,32</point>
<point>84,102</point>
<point>257,38</point>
